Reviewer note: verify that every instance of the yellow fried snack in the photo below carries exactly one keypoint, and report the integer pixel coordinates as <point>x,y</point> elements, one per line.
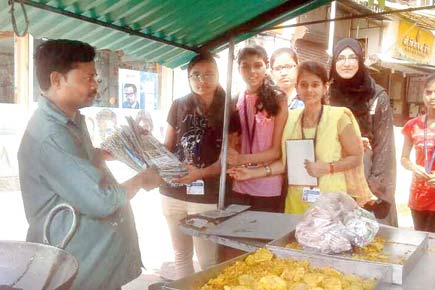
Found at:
<point>262,271</point>
<point>260,255</point>
<point>272,282</point>
<point>294,245</point>
<point>372,252</point>
<point>332,283</point>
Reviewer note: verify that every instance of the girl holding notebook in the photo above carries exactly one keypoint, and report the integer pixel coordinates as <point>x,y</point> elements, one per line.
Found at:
<point>337,145</point>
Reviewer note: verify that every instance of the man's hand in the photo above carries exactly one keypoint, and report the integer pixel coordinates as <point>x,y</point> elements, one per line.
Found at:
<point>103,154</point>
<point>150,178</point>
<point>193,174</point>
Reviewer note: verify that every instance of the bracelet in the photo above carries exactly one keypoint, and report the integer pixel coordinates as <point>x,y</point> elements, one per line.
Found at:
<point>268,170</point>
<point>331,167</point>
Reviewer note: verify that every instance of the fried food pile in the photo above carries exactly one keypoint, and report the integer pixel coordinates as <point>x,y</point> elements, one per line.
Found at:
<point>263,271</point>
<point>371,252</point>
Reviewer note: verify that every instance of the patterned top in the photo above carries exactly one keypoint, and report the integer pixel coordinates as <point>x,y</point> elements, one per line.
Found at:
<point>198,142</point>
<point>422,196</point>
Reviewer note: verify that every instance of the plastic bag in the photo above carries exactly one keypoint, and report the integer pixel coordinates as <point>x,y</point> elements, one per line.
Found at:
<point>334,223</point>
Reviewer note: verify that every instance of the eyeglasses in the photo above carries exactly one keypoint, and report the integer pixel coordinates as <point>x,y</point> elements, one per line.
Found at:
<point>350,59</point>
<point>204,77</point>
<point>287,67</point>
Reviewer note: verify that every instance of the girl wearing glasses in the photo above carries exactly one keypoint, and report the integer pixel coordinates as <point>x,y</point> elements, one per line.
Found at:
<point>194,135</point>
<point>262,109</point>
<point>283,64</point>
<point>420,133</point>
<point>353,87</point>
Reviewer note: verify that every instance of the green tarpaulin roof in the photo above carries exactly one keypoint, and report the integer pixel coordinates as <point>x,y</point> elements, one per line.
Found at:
<point>168,32</point>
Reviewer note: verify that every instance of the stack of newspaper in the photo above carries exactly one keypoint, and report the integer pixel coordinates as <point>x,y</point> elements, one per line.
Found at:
<point>137,148</point>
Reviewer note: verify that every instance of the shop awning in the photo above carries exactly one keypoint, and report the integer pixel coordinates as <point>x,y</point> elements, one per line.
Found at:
<point>408,67</point>
<point>168,32</point>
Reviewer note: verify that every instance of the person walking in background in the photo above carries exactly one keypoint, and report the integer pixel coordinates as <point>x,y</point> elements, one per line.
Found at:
<point>262,109</point>
<point>283,64</point>
<point>194,135</point>
<point>352,87</point>
<point>58,164</point>
<point>337,143</point>
<point>420,134</point>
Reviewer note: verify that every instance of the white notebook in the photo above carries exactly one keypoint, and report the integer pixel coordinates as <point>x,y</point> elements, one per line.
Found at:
<point>297,152</point>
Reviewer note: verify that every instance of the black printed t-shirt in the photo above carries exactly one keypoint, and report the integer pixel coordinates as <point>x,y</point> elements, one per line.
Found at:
<point>197,143</point>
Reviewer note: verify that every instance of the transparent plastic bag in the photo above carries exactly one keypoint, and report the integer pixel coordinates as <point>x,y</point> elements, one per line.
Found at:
<point>334,223</point>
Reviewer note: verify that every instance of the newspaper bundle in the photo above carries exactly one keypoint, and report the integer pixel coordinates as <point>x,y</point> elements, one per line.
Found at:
<point>137,148</point>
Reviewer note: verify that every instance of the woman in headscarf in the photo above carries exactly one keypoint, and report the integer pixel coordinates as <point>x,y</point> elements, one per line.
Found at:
<point>352,87</point>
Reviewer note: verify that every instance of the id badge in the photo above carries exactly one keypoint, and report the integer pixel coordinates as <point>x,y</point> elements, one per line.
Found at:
<point>195,188</point>
<point>310,194</point>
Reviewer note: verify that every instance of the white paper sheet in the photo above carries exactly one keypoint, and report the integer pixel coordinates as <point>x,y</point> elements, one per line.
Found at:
<point>297,152</point>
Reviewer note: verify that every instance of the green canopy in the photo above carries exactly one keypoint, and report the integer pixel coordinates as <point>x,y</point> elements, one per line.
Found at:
<point>168,32</point>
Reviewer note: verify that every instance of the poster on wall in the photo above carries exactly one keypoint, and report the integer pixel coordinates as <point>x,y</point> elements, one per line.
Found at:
<point>138,89</point>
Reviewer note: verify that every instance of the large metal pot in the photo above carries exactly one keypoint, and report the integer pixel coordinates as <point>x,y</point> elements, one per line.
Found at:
<point>31,266</point>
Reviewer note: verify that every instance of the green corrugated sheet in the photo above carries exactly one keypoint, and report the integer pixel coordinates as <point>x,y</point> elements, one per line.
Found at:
<point>186,23</point>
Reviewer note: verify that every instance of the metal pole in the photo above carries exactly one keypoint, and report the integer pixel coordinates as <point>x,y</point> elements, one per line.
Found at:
<point>332,28</point>
<point>223,178</point>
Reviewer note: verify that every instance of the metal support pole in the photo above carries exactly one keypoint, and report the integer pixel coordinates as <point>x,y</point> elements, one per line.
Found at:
<point>332,28</point>
<point>223,178</point>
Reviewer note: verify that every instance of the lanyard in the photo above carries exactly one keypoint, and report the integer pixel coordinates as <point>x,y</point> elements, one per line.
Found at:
<point>250,134</point>
<point>317,124</point>
<point>427,165</point>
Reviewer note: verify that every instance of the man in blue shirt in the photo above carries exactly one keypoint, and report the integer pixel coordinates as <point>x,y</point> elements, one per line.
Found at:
<point>58,164</point>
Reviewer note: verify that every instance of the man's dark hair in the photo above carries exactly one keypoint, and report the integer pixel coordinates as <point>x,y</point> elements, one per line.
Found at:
<point>59,55</point>
<point>131,86</point>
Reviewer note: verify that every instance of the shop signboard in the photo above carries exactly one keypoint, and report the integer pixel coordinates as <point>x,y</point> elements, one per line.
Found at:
<point>414,43</point>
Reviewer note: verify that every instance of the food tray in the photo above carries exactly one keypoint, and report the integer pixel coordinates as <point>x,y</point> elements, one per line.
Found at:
<point>379,272</point>
<point>255,225</point>
<point>401,245</point>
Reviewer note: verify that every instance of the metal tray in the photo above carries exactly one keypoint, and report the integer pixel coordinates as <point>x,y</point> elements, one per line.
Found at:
<point>379,272</point>
<point>405,245</point>
<point>255,225</point>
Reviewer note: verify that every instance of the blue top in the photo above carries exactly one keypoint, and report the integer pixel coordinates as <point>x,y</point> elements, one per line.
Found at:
<point>58,164</point>
<point>296,103</point>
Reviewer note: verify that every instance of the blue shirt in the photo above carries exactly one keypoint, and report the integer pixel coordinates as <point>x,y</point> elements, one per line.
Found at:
<point>56,165</point>
<point>296,103</point>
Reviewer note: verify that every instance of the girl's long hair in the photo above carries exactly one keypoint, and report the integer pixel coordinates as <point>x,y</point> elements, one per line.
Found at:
<point>269,94</point>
